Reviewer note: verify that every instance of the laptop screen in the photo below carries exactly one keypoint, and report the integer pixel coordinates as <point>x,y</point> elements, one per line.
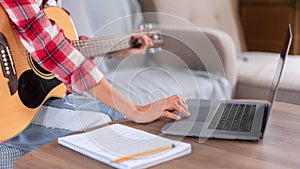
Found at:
<point>280,65</point>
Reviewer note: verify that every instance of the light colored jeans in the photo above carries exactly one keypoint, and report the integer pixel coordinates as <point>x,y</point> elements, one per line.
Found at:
<point>85,102</point>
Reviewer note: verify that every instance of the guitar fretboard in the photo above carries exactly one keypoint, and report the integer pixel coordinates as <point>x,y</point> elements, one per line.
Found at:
<point>101,46</point>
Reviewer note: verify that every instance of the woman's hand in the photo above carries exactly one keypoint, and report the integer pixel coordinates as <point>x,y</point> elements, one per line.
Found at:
<point>146,43</point>
<point>162,108</point>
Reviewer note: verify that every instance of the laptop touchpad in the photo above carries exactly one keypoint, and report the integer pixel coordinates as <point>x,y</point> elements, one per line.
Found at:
<point>199,114</point>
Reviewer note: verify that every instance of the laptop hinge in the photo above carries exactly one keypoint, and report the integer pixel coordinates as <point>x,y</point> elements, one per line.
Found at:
<point>265,118</point>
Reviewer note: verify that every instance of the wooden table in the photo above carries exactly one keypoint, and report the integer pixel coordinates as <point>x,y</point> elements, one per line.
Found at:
<point>280,148</point>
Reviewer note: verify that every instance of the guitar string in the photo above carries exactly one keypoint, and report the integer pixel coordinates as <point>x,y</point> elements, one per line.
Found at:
<point>93,41</point>
<point>90,43</point>
<point>97,41</point>
<point>99,44</point>
<point>104,48</point>
<point>95,45</point>
<point>86,44</point>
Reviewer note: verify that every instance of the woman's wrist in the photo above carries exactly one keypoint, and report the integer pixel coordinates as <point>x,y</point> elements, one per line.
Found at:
<point>135,113</point>
<point>142,114</point>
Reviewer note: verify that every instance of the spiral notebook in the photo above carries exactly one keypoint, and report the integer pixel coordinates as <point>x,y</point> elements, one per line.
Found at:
<point>125,147</point>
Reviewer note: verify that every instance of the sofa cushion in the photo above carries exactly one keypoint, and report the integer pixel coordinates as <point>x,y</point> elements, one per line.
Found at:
<point>148,84</point>
<point>256,72</point>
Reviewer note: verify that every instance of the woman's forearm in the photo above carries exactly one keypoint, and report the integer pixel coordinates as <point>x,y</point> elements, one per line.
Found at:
<point>105,92</point>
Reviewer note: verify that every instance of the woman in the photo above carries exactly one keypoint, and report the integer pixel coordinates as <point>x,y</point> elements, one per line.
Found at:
<point>49,47</point>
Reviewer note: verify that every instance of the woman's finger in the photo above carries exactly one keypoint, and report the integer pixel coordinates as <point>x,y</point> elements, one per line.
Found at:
<point>183,104</point>
<point>170,115</point>
<point>176,103</point>
<point>146,41</point>
<point>181,110</point>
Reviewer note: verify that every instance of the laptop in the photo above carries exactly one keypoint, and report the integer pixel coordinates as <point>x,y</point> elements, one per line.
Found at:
<point>240,120</point>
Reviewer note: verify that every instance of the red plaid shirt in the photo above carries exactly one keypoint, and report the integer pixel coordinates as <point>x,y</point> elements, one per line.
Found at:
<point>49,47</point>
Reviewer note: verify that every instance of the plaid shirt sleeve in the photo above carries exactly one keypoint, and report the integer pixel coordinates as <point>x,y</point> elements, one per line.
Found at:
<point>49,47</point>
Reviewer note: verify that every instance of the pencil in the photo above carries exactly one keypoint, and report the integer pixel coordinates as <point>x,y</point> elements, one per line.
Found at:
<point>121,159</point>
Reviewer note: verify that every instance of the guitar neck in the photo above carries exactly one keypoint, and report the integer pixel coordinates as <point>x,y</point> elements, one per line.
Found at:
<point>101,46</point>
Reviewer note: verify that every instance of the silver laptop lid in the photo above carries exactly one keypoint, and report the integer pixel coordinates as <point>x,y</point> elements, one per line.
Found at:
<point>277,76</point>
<point>280,64</point>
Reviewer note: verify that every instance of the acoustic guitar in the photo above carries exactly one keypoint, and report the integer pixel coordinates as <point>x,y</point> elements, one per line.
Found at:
<point>25,86</point>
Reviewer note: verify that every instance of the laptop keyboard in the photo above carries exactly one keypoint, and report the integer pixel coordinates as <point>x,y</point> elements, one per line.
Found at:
<point>233,117</point>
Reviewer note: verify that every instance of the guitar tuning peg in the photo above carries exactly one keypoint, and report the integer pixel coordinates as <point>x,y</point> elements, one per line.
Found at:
<point>153,50</point>
<point>148,27</point>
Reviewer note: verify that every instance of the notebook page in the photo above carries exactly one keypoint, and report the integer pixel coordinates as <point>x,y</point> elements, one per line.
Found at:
<point>111,142</point>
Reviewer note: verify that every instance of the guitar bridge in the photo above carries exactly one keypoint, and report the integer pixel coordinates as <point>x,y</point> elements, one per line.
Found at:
<point>7,65</point>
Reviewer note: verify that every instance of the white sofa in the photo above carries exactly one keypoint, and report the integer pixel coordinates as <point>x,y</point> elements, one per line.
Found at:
<point>253,70</point>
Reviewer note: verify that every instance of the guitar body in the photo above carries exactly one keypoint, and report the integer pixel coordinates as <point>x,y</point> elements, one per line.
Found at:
<point>15,115</point>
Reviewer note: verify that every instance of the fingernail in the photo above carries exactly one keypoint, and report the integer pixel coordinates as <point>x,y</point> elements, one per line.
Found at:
<point>178,118</point>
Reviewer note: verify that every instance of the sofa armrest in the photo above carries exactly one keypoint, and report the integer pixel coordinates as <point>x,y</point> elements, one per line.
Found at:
<point>225,48</point>
<point>201,49</point>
